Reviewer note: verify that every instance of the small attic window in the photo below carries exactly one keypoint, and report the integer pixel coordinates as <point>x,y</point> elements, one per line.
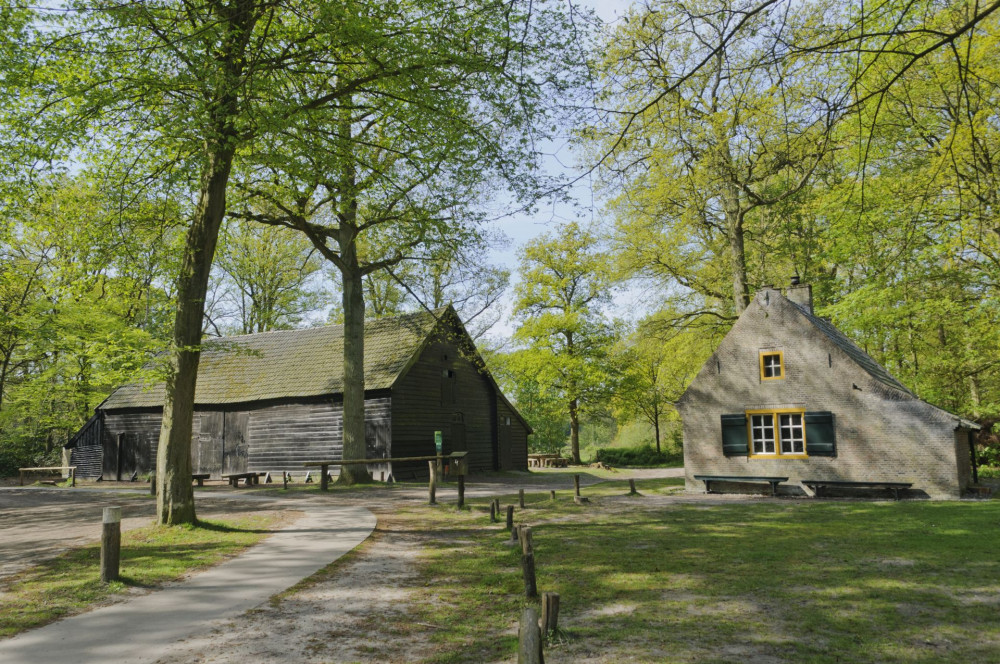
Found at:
<point>772,366</point>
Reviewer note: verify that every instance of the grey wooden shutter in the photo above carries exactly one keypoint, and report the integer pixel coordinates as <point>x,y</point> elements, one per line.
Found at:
<point>820,434</point>
<point>734,435</point>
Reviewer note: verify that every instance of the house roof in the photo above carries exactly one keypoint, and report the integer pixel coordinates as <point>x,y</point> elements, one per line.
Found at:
<point>293,363</point>
<point>860,357</point>
<point>867,362</point>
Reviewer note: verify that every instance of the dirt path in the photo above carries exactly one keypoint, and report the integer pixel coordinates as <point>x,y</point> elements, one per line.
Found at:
<point>357,611</point>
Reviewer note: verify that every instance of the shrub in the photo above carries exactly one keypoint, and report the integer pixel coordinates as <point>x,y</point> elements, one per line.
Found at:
<point>635,456</point>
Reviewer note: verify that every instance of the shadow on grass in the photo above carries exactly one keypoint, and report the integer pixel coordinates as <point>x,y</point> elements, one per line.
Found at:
<point>859,582</point>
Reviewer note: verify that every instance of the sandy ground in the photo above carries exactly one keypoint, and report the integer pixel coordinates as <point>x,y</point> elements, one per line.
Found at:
<point>357,612</point>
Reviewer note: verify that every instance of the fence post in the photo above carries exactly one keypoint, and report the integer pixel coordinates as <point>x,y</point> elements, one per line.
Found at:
<point>552,494</point>
<point>576,486</point>
<point>461,491</point>
<point>527,561</point>
<point>631,488</point>
<point>324,478</point>
<point>152,484</point>
<point>432,483</point>
<point>493,512</point>
<point>550,613</point>
<point>510,517</point>
<point>529,649</point>
<point>520,498</point>
<point>111,543</point>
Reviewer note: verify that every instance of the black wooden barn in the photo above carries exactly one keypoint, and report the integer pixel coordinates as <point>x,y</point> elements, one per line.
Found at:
<point>272,401</point>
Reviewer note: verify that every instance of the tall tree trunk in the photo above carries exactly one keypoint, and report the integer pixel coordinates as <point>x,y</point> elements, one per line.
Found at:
<point>354,366</point>
<point>574,430</point>
<point>174,495</point>
<point>656,427</point>
<point>224,82</point>
<point>354,319</point>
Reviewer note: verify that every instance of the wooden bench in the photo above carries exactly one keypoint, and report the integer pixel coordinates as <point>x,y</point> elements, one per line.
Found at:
<point>249,478</point>
<point>200,478</point>
<point>816,485</point>
<point>708,479</point>
<point>70,470</point>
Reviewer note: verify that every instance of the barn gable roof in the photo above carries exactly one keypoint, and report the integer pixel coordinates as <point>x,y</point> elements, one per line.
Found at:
<point>293,363</point>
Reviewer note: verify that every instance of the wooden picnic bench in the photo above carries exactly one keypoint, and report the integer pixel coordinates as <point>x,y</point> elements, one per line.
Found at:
<point>200,478</point>
<point>547,461</point>
<point>816,485</point>
<point>249,478</point>
<point>71,470</point>
<point>708,479</point>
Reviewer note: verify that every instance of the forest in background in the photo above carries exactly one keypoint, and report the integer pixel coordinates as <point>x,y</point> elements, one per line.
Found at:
<point>734,144</point>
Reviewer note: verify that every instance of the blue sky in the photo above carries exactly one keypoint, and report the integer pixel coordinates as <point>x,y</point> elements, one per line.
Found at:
<point>522,228</point>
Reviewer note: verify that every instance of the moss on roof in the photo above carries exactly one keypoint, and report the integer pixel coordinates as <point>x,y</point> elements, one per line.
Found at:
<point>292,363</point>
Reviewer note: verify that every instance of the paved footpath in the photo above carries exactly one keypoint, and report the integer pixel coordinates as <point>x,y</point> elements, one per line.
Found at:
<point>146,628</point>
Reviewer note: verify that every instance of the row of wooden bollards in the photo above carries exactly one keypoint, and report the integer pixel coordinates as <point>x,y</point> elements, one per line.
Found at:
<point>534,630</point>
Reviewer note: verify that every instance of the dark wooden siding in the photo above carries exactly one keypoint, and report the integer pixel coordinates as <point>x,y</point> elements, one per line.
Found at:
<point>443,391</point>
<point>272,437</point>
<point>513,439</point>
<point>283,437</point>
<point>139,435</point>
<point>86,453</point>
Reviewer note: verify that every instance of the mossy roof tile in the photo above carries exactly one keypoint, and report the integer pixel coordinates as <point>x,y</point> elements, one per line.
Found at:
<point>291,363</point>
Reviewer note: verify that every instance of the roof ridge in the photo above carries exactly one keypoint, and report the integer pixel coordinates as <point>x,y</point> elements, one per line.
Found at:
<point>881,374</point>
<point>330,326</point>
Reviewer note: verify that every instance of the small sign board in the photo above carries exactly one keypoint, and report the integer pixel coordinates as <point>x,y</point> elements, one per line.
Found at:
<point>461,463</point>
<point>438,441</point>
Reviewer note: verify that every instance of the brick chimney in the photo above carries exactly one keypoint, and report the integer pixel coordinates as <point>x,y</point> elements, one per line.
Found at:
<point>801,294</point>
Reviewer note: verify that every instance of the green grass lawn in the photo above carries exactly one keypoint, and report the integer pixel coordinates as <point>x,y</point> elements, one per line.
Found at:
<point>150,556</point>
<point>756,581</point>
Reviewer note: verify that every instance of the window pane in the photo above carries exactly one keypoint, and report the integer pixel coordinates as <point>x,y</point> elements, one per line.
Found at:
<point>792,433</point>
<point>762,433</point>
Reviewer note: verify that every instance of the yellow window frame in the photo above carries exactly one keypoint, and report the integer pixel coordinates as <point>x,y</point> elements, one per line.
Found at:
<point>774,412</point>
<point>781,364</point>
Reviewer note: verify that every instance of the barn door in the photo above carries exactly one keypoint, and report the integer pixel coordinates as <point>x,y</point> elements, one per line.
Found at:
<point>504,441</point>
<point>130,456</point>
<point>109,467</point>
<point>458,443</point>
<point>209,453</point>
<point>235,452</point>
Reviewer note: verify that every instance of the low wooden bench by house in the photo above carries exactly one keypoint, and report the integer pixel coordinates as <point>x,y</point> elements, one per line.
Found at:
<point>816,485</point>
<point>200,478</point>
<point>708,479</point>
<point>249,478</point>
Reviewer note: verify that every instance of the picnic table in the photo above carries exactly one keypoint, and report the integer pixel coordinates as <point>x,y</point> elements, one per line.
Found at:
<point>547,461</point>
<point>249,478</point>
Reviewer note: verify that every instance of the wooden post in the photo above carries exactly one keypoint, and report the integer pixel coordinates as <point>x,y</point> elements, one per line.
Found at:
<point>552,494</point>
<point>524,534</point>
<point>529,637</point>
<point>461,491</point>
<point>514,532</point>
<point>72,476</point>
<point>550,614</point>
<point>520,498</point>
<point>111,543</point>
<point>631,488</point>
<point>324,478</point>
<point>152,484</point>
<point>432,483</point>
<point>528,564</point>
<point>284,479</point>
<point>493,511</point>
<point>510,517</point>
<point>576,486</point>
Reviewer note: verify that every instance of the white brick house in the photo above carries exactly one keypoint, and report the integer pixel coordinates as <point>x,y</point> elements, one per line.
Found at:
<point>787,394</point>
